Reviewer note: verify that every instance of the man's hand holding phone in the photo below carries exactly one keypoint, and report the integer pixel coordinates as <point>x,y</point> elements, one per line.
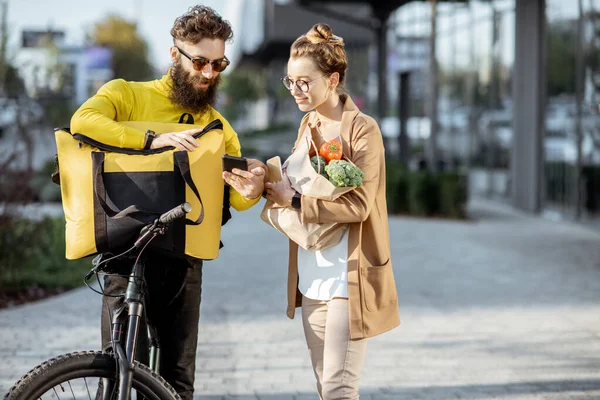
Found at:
<point>245,175</point>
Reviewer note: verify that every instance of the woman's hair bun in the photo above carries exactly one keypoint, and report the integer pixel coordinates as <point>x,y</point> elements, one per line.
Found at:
<point>322,33</point>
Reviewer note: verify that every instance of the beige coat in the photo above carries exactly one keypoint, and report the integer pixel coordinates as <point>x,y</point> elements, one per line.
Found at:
<point>373,301</point>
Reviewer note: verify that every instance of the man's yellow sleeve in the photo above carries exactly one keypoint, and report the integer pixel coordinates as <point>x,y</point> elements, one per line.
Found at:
<point>96,118</point>
<point>232,147</point>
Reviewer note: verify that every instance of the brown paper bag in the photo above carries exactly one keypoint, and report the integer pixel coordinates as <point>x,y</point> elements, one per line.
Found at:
<point>309,236</point>
<point>305,180</point>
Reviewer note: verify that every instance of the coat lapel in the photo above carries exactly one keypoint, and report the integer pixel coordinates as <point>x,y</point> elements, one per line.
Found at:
<point>349,113</point>
<point>348,116</point>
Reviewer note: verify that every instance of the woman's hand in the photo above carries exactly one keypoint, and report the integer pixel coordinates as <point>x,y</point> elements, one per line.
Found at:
<point>281,192</point>
<point>249,184</point>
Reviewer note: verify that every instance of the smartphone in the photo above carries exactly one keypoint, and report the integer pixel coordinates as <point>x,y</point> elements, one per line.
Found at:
<point>231,162</point>
<point>274,169</point>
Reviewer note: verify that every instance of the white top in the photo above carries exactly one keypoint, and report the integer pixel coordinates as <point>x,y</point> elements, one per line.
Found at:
<point>323,274</point>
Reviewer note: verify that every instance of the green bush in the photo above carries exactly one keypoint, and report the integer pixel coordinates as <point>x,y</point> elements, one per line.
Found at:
<point>560,184</point>
<point>32,253</point>
<point>423,193</point>
<point>396,188</point>
<point>41,184</point>
<point>275,128</point>
<point>15,186</point>
<point>248,147</point>
<point>453,194</point>
<point>15,235</point>
<point>560,179</point>
<point>417,149</point>
<point>591,176</point>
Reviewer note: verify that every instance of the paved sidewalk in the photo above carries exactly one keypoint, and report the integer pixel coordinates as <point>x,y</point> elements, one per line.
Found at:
<point>504,307</point>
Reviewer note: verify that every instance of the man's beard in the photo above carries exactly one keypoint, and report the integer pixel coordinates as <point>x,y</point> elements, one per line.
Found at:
<point>191,98</point>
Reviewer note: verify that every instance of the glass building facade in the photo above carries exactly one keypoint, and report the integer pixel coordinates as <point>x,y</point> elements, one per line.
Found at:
<point>517,94</point>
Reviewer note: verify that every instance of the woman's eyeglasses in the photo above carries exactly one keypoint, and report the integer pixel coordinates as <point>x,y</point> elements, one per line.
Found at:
<point>301,84</point>
<point>201,62</point>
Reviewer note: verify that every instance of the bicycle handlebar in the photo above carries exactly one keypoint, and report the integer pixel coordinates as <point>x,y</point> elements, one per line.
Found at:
<point>159,225</point>
<point>175,213</point>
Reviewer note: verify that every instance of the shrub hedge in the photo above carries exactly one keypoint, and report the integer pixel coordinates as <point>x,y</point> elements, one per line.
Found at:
<point>423,193</point>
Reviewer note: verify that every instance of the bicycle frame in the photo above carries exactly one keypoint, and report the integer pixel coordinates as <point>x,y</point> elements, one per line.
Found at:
<point>133,303</point>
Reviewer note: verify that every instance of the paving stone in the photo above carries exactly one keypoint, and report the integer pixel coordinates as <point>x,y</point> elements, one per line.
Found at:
<point>505,306</point>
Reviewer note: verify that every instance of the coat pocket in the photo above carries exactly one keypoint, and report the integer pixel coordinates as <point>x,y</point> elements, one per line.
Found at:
<point>379,287</point>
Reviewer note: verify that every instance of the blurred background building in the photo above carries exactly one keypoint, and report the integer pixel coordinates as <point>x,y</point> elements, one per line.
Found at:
<point>504,91</point>
<point>511,86</point>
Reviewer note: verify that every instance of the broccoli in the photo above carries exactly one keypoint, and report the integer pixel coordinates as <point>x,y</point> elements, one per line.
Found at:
<point>315,164</point>
<point>342,173</point>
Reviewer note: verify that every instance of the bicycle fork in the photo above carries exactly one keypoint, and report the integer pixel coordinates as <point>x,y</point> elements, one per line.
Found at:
<point>154,360</point>
<point>133,303</point>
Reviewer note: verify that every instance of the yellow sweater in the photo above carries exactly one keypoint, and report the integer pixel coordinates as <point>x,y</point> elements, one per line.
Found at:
<point>120,100</point>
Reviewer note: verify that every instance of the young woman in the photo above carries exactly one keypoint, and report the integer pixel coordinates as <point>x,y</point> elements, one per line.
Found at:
<point>347,292</point>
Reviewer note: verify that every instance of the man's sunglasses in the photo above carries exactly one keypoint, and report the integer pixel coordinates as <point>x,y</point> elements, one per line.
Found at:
<point>201,62</point>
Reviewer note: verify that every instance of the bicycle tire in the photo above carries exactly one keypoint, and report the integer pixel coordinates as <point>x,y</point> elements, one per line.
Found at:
<point>87,364</point>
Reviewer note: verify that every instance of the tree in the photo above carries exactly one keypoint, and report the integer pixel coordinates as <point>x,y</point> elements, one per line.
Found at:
<point>457,83</point>
<point>3,41</point>
<point>562,40</point>
<point>11,84</point>
<point>130,49</point>
<point>592,64</point>
<point>240,87</point>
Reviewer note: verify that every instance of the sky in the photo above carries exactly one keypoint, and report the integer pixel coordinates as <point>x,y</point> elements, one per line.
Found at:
<point>155,19</point>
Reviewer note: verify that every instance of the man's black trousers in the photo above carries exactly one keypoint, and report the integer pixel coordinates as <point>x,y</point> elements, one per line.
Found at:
<point>172,305</point>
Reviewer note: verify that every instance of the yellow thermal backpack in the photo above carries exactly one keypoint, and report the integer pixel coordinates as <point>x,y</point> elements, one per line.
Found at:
<point>109,193</point>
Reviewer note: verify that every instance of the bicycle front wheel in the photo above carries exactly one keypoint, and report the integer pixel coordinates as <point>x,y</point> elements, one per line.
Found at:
<point>77,376</point>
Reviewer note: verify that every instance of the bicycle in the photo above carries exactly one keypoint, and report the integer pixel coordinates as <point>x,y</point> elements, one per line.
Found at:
<point>109,375</point>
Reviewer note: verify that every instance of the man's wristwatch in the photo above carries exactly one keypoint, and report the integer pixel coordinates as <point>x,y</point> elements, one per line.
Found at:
<point>297,201</point>
<point>150,136</point>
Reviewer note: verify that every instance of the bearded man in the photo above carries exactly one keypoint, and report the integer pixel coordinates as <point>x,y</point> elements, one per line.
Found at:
<point>188,90</point>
